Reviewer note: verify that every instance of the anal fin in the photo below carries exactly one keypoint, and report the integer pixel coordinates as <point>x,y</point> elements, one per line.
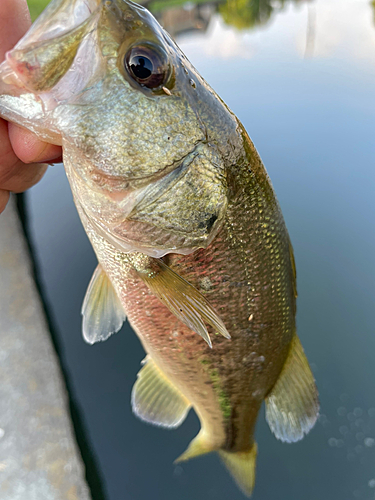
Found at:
<point>156,400</point>
<point>292,406</point>
<point>102,311</point>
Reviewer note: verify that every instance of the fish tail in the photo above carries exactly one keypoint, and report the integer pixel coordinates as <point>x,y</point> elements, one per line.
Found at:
<point>241,465</point>
<point>200,445</point>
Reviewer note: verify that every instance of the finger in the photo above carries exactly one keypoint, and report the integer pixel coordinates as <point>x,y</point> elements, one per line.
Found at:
<point>22,176</point>
<point>14,174</point>
<point>4,197</point>
<point>14,22</point>
<point>29,148</point>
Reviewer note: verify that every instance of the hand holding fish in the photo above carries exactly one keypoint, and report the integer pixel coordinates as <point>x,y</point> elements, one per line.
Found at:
<point>17,145</point>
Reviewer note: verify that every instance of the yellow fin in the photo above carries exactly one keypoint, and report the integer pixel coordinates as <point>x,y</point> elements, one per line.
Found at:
<point>292,406</point>
<point>102,311</point>
<point>156,400</point>
<point>241,465</point>
<point>183,300</point>
<point>200,445</point>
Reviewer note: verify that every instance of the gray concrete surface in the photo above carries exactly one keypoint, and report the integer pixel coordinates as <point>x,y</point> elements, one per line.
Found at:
<point>39,459</point>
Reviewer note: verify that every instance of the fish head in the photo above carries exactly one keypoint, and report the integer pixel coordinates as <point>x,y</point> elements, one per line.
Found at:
<point>136,121</point>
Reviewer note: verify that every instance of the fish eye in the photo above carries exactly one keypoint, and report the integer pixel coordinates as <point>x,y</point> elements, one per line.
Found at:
<point>147,65</point>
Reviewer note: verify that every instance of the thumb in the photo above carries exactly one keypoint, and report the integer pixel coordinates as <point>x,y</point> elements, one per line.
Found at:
<point>14,22</point>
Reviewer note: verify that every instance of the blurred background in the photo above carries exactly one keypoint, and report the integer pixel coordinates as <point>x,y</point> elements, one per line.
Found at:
<point>300,75</point>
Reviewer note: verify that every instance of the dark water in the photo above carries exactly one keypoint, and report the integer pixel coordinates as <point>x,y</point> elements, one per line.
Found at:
<point>302,80</point>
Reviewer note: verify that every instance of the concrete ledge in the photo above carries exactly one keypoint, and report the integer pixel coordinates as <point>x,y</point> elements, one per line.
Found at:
<point>39,459</point>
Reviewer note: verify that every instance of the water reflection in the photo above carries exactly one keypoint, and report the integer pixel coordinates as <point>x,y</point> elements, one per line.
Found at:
<point>248,13</point>
<point>180,17</point>
<point>244,14</point>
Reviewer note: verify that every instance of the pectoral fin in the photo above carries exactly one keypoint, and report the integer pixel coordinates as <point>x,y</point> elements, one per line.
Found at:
<point>102,310</point>
<point>292,406</point>
<point>156,400</point>
<point>183,300</point>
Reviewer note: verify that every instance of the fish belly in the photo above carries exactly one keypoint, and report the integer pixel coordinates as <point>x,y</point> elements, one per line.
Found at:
<point>179,352</point>
<point>226,384</point>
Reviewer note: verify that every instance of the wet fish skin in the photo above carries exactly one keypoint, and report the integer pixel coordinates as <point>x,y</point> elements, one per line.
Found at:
<point>235,274</point>
<point>181,213</point>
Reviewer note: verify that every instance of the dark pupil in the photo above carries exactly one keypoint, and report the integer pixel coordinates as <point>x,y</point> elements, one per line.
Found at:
<point>141,67</point>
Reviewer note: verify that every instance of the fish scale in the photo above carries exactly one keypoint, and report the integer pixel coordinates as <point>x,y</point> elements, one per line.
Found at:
<point>225,264</point>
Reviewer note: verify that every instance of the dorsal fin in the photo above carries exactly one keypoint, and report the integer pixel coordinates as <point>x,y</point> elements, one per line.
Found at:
<point>156,400</point>
<point>102,310</point>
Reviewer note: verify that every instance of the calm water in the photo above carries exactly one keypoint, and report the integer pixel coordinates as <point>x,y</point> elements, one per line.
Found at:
<point>303,84</point>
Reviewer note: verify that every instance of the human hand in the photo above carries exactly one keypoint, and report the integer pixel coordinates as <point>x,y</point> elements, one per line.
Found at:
<point>21,153</point>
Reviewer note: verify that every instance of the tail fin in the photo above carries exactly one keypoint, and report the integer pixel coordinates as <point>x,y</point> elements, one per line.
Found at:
<point>200,445</point>
<point>241,465</point>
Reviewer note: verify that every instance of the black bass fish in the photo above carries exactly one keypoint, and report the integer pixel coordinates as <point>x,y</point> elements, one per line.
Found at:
<point>183,218</point>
